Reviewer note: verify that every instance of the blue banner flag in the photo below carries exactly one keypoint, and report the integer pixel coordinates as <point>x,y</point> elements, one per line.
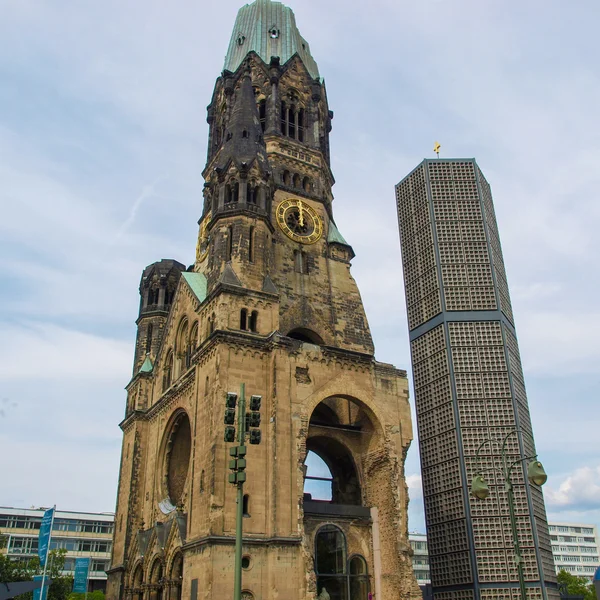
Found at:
<point>38,594</point>
<point>45,533</point>
<point>80,583</point>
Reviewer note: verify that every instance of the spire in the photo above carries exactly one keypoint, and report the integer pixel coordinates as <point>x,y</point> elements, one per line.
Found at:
<point>243,136</point>
<point>269,29</point>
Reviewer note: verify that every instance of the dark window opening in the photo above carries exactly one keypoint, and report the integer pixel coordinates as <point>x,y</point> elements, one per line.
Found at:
<point>306,185</point>
<point>251,245</point>
<point>245,562</point>
<point>152,296</point>
<point>243,319</point>
<point>286,177</point>
<point>229,241</point>
<point>169,295</point>
<point>202,481</point>
<point>296,180</point>
<point>245,133</point>
<point>262,114</point>
<point>292,122</point>
<point>301,125</point>
<point>232,192</point>
<point>252,195</point>
<point>306,335</point>
<point>253,321</point>
<point>149,339</point>
<point>246,505</point>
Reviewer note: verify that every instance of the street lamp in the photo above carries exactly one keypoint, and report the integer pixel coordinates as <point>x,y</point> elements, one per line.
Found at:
<point>535,474</point>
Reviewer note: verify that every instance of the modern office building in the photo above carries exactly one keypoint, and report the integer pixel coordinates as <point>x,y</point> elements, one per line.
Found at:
<point>469,387</point>
<point>575,548</point>
<point>268,302</point>
<point>420,559</point>
<point>81,534</point>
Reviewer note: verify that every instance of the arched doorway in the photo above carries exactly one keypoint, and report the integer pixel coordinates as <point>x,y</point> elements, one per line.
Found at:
<point>156,580</point>
<point>176,577</point>
<point>137,582</point>
<point>341,577</point>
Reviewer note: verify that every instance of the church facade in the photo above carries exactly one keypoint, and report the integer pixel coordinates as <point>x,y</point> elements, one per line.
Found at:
<point>269,302</point>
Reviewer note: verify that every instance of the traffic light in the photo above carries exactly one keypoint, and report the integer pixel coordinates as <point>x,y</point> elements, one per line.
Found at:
<point>229,416</point>
<point>231,400</point>
<point>254,419</point>
<point>237,477</point>
<point>255,402</point>
<point>255,436</point>
<point>229,433</point>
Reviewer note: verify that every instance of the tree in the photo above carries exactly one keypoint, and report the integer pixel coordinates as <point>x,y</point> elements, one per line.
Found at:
<point>576,586</point>
<point>17,570</point>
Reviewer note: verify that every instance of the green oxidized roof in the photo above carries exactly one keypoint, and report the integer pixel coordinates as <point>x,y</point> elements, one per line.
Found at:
<point>253,27</point>
<point>197,283</point>
<point>147,365</point>
<point>333,235</point>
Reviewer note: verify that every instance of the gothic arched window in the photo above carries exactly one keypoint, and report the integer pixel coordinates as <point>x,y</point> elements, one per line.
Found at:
<point>168,371</point>
<point>243,319</point>
<point>343,579</point>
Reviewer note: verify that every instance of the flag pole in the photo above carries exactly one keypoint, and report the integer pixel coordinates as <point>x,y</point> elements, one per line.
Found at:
<point>47,552</point>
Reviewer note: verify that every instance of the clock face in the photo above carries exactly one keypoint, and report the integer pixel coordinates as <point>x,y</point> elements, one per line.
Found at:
<point>203,240</point>
<point>299,221</point>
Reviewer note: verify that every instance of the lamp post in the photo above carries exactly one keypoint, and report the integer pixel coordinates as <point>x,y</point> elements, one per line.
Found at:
<point>480,489</point>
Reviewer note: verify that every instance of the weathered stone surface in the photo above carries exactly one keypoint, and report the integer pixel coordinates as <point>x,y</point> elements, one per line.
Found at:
<point>286,319</point>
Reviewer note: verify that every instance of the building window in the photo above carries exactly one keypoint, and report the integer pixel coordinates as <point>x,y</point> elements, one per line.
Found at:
<point>229,242</point>
<point>342,579</point>
<point>251,245</point>
<point>149,339</point>
<point>243,319</point>
<point>254,321</point>
<point>262,113</point>
<point>168,371</point>
<point>252,195</point>
<point>246,505</point>
<point>232,192</point>
<point>300,262</point>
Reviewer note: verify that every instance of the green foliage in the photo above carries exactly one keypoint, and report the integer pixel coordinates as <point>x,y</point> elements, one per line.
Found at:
<point>97,595</point>
<point>576,586</point>
<point>16,570</point>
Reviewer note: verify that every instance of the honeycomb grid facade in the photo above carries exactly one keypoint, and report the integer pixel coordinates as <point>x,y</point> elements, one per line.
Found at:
<point>469,387</point>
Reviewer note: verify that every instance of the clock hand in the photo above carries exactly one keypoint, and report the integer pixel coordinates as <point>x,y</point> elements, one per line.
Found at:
<point>301,210</point>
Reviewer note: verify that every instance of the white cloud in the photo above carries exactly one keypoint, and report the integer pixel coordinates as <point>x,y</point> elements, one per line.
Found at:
<point>44,351</point>
<point>578,491</point>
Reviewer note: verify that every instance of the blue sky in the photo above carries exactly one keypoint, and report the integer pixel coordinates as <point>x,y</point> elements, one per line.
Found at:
<point>102,142</point>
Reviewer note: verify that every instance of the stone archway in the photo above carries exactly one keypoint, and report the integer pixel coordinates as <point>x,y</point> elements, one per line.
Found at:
<point>137,583</point>
<point>176,577</point>
<point>156,581</point>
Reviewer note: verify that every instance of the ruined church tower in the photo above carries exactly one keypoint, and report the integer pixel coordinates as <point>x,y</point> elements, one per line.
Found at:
<point>270,302</point>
